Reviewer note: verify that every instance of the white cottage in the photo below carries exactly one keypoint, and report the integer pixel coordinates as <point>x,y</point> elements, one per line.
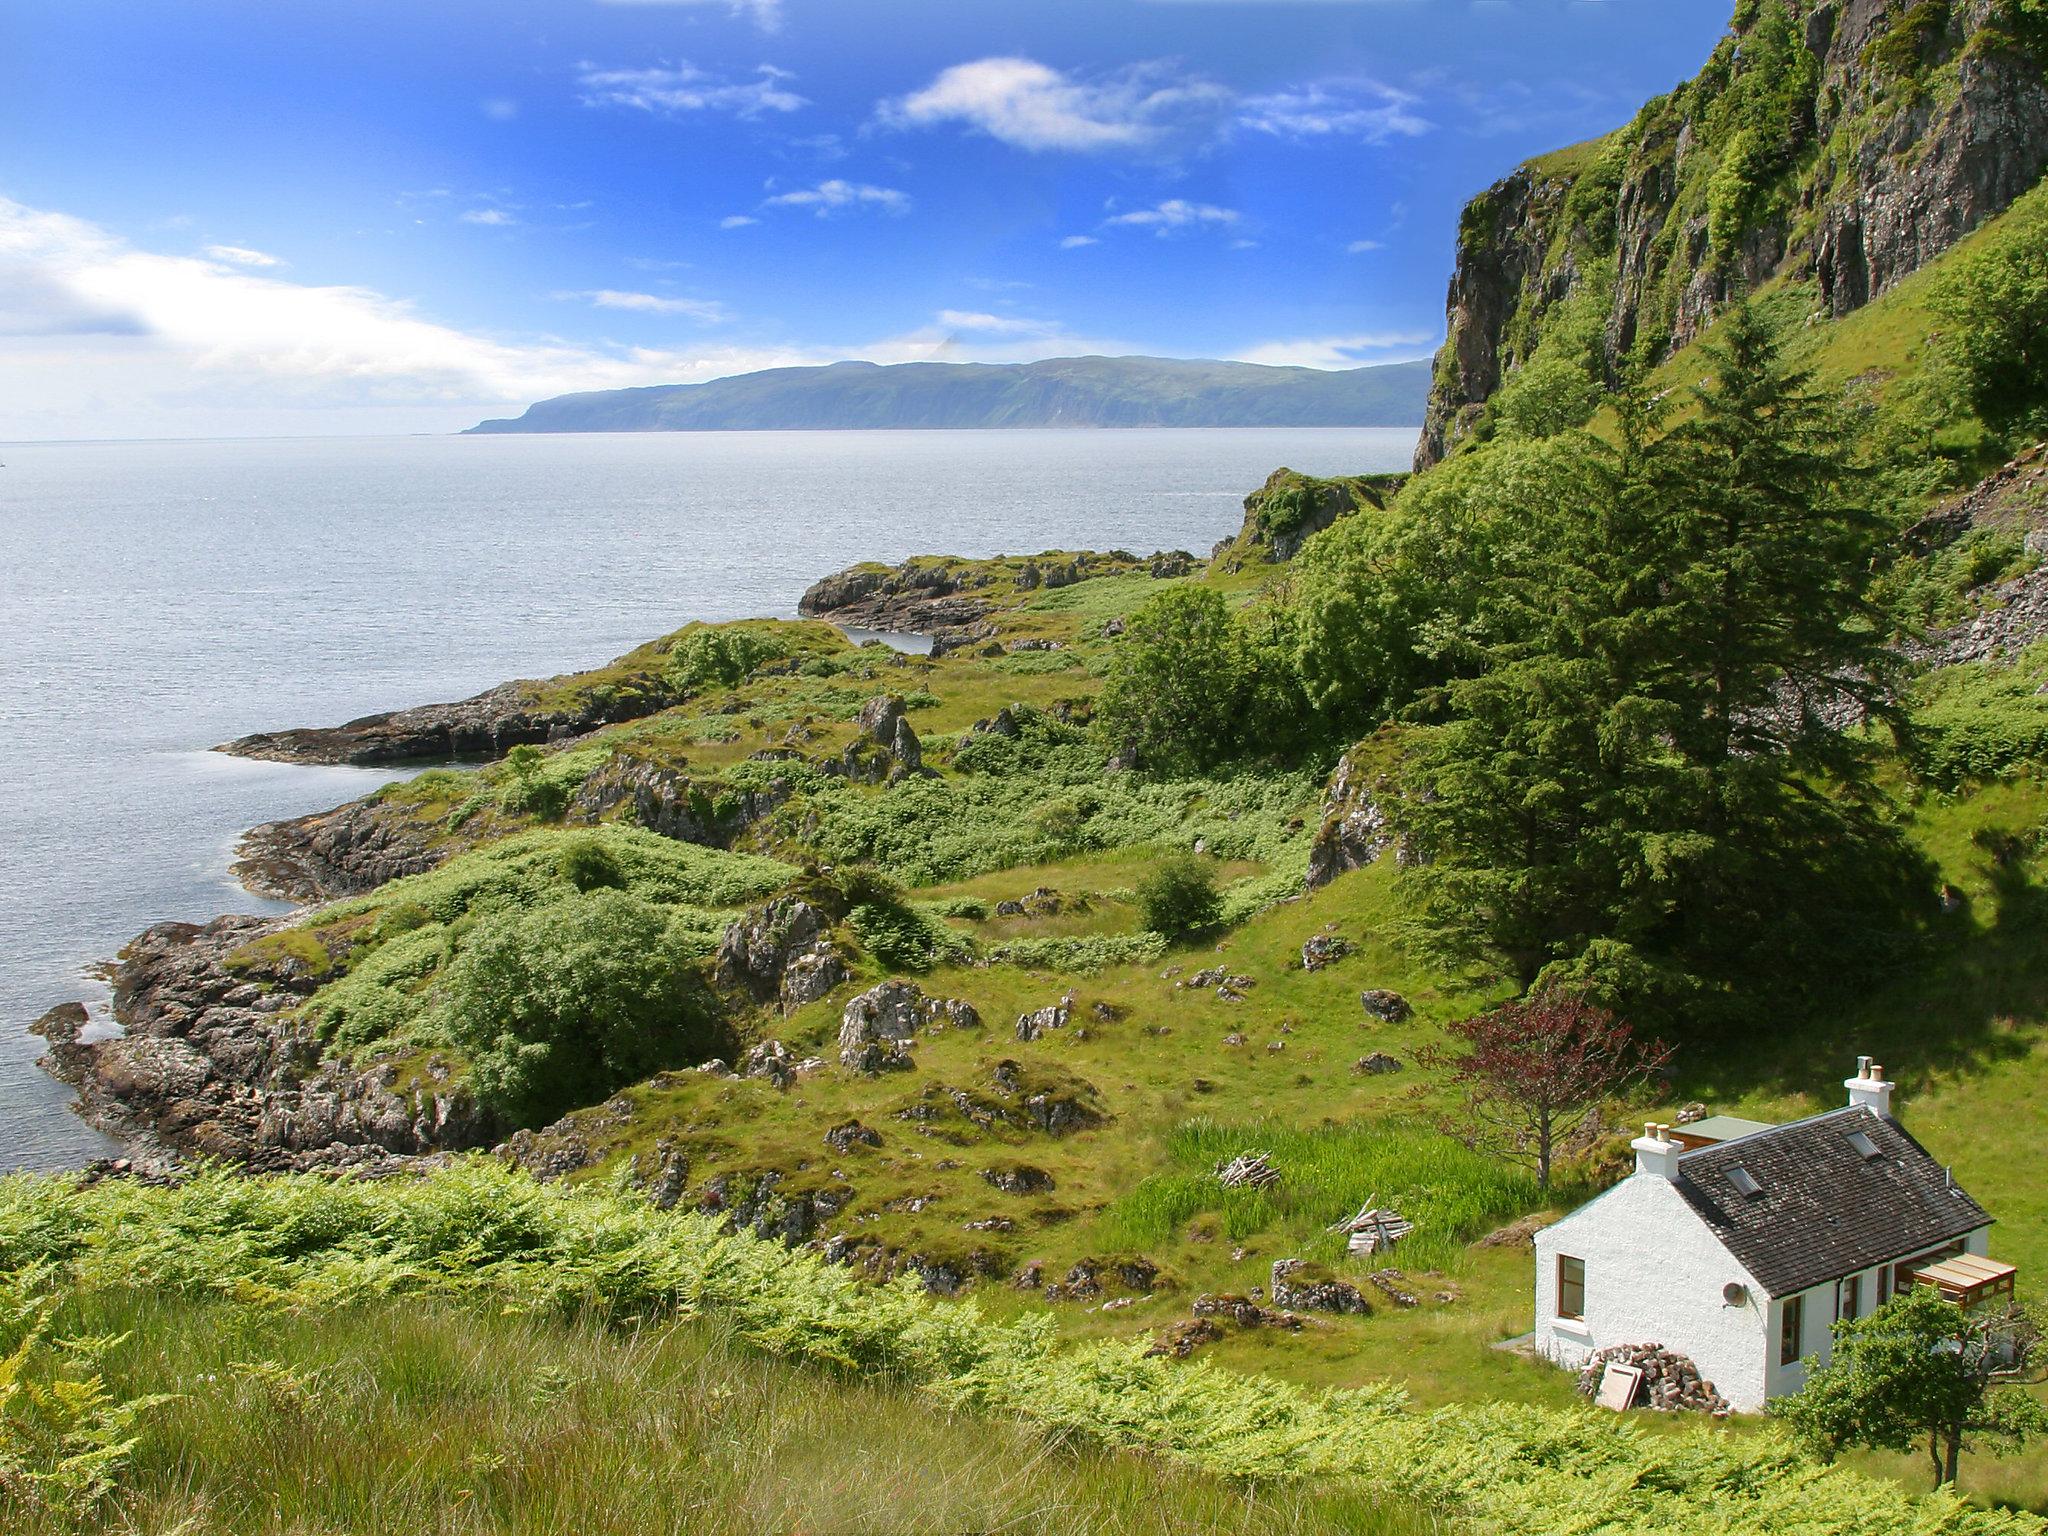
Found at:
<point>1741,1252</point>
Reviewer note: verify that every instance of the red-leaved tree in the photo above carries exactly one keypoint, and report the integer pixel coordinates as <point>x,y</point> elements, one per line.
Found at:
<point>1528,1069</point>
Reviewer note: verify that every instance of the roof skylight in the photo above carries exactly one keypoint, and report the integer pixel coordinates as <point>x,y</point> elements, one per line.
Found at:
<point>1864,1145</point>
<point>1744,1182</point>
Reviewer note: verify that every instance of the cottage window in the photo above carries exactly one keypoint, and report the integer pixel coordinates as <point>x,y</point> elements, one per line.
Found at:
<point>1571,1287</point>
<point>1852,1298</point>
<point>1884,1286</point>
<point>1794,1330</point>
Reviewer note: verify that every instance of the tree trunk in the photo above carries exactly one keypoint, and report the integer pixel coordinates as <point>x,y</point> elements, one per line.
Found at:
<point>1934,1453</point>
<point>1955,1455</point>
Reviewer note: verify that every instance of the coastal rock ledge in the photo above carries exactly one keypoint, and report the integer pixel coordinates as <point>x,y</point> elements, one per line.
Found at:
<point>214,1063</point>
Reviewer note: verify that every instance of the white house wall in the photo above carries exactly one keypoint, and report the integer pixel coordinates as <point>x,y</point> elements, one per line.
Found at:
<point>1654,1275</point>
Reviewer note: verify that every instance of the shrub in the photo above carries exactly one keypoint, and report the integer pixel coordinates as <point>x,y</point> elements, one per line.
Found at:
<point>1178,898</point>
<point>560,1005</point>
<point>719,657</point>
<point>1994,298</point>
<point>902,938</point>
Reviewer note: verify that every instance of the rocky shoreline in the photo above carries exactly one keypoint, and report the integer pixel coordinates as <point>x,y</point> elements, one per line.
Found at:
<point>213,1064</point>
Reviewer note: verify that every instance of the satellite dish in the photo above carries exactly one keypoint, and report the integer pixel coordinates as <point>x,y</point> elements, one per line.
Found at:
<point>1735,1293</point>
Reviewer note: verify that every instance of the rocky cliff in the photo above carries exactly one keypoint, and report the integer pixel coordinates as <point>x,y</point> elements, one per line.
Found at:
<point>1844,143</point>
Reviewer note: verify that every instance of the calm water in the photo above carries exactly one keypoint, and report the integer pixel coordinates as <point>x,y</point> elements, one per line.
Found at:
<point>156,598</point>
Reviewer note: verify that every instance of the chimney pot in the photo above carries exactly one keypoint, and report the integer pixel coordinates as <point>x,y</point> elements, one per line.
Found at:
<point>1868,1089</point>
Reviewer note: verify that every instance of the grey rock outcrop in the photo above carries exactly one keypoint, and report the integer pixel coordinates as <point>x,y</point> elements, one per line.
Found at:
<point>214,1063</point>
<point>1915,124</point>
<point>1357,827</point>
<point>781,951</point>
<point>1297,1288</point>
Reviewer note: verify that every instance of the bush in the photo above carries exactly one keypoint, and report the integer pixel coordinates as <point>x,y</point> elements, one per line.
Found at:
<point>560,1005</point>
<point>902,938</point>
<point>1178,898</point>
<point>719,657</point>
<point>1994,299</point>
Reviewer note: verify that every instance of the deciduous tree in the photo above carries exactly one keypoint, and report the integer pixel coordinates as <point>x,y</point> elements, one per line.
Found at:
<point>1527,1069</point>
<point>1921,1371</point>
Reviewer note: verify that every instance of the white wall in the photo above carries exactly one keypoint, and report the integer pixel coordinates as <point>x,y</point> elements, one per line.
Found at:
<point>1654,1274</point>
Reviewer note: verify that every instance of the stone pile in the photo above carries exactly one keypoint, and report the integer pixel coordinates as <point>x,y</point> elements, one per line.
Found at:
<point>1321,950</point>
<point>1671,1382</point>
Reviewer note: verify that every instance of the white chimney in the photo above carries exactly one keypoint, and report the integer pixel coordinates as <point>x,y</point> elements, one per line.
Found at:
<point>1868,1089</point>
<point>1656,1153</point>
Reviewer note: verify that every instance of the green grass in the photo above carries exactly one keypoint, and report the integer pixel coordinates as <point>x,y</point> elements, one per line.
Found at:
<point>390,1417</point>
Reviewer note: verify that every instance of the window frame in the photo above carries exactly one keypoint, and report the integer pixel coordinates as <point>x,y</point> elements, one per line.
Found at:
<point>1849,1306</point>
<point>1792,1331</point>
<point>1568,1282</point>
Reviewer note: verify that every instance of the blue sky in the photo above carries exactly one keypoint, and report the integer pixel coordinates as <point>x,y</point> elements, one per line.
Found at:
<point>224,216</point>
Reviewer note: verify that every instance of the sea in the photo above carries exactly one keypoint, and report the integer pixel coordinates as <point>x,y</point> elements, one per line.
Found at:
<point>157,598</point>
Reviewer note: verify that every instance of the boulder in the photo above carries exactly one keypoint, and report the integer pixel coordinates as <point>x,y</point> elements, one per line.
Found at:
<point>1388,1007</point>
<point>1299,1288</point>
<point>877,1026</point>
<point>1321,950</point>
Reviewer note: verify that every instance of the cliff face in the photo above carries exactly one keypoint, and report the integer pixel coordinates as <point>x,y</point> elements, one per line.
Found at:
<point>1841,142</point>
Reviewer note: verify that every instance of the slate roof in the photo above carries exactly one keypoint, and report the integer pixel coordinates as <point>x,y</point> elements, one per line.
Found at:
<point>1823,1209</point>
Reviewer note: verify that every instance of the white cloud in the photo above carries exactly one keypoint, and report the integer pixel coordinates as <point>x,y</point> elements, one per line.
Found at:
<point>496,217</point>
<point>1075,242</point>
<point>1352,108</point>
<point>835,196</point>
<point>242,256</point>
<point>671,90</point>
<point>708,310</point>
<point>994,325</point>
<point>1360,247</point>
<point>767,14</point>
<point>1173,214</point>
<point>1036,107</point>
<point>101,339</point>
<point>499,109</point>
<point>737,221</point>
<point>1338,351</point>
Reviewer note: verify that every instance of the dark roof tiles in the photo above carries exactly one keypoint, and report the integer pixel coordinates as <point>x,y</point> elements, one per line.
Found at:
<point>1823,1209</point>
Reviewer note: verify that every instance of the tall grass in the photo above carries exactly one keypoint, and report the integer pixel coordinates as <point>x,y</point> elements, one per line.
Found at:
<point>1326,1173</point>
<point>413,1417</point>
<point>282,1249</point>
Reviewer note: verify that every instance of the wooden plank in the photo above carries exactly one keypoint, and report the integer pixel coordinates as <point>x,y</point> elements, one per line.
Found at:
<point>1619,1385</point>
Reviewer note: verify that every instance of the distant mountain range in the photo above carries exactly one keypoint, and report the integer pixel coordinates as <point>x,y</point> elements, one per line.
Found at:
<point>1060,392</point>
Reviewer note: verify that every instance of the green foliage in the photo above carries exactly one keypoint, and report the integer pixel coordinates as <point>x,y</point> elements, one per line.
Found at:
<point>559,1005</point>
<point>1175,688</point>
<point>1993,298</point>
<point>1178,898</point>
<point>1619,797</point>
<point>905,938</point>
<point>588,865</point>
<point>1921,1371</point>
<point>1981,721</point>
<point>1078,954</point>
<point>720,656</point>
<point>418,925</point>
<point>483,1232</point>
<point>1898,49</point>
<point>1761,121</point>
<point>1041,796</point>
<point>541,784</point>
<point>65,1437</point>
